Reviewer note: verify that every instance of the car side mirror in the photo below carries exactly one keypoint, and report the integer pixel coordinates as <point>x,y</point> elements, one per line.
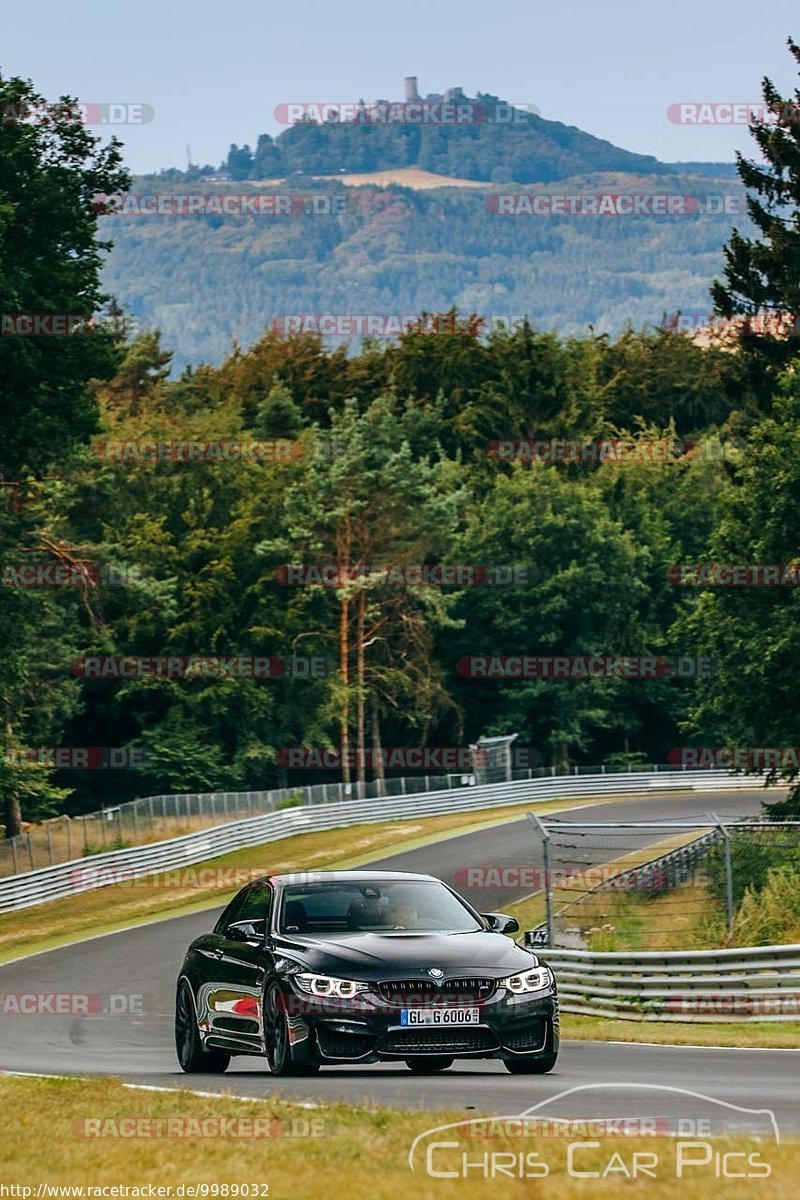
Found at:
<point>246,931</point>
<point>501,922</point>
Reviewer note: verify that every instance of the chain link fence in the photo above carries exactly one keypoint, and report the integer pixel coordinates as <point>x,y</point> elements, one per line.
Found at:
<point>660,885</point>
<point>156,818</point>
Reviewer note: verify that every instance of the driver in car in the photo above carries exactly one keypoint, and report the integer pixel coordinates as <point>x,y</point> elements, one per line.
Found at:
<point>402,915</point>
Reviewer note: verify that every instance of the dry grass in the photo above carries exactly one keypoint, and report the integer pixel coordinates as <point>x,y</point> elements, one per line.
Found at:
<point>362,1150</point>
<point>410,177</point>
<point>686,917</point>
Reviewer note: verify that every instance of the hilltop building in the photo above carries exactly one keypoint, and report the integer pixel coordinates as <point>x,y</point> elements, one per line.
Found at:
<point>411,94</point>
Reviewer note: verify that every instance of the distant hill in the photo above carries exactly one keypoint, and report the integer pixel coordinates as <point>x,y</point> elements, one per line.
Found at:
<point>718,170</point>
<point>494,143</point>
<point>209,280</point>
<point>531,150</point>
<point>414,230</point>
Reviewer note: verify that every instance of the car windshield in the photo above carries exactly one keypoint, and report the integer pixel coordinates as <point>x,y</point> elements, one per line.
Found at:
<point>384,906</point>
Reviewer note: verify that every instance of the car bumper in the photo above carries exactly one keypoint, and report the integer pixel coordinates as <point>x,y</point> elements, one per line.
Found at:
<point>369,1029</point>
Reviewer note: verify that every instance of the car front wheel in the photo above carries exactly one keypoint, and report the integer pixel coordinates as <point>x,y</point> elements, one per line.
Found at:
<point>192,1057</point>
<point>276,1039</point>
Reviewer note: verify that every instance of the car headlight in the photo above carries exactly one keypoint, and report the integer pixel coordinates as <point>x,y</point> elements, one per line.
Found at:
<point>528,981</point>
<point>325,985</point>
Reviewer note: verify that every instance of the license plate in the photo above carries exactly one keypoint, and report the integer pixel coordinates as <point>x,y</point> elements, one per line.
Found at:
<point>440,1016</point>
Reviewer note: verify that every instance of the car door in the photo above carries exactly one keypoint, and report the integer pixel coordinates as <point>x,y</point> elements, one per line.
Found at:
<point>235,983</point>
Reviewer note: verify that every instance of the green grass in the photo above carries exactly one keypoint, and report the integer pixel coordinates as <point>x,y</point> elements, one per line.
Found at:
<point>763,1035</point>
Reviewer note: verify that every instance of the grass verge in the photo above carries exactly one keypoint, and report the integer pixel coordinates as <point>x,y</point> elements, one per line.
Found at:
<point>352,1148</point>
<point>765,1035</point>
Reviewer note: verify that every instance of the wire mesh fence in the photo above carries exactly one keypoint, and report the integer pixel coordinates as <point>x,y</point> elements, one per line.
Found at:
<point>156,818</point>
<point>661,885</point>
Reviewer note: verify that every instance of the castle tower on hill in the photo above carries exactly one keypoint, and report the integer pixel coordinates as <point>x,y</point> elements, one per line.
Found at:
<point>411,94</point>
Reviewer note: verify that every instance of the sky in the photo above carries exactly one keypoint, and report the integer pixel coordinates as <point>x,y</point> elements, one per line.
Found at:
<point>214,73</point>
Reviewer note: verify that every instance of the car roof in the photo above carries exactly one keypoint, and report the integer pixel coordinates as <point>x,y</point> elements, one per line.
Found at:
<point>299,877</point>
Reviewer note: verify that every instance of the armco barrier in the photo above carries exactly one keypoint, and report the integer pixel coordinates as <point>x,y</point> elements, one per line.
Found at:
<point>703,986</point>
<point>65,879</point>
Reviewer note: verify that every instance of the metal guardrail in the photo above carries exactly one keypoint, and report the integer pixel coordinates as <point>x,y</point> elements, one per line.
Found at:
<point>156,818</point>
<point>118,826</point>
<point>701,986</point>
<point>99,870</point>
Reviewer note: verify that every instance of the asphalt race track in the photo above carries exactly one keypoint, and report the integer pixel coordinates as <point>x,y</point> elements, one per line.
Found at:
<point>143,963</point>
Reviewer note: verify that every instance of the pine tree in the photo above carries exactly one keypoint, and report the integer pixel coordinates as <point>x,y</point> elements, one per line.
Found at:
<point>278,416</point>
<point>268,159</point>
<point>762,275</point>
<point>239,163</point>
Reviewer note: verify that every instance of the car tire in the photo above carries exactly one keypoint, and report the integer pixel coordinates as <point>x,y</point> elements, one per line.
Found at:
<point>276,1039</point>
<point>531,1066</point>
<point>428,1066</point>
<point>192,1057</point>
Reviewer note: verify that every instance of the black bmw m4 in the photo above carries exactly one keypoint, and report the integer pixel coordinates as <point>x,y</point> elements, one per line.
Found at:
<point>361,967</point>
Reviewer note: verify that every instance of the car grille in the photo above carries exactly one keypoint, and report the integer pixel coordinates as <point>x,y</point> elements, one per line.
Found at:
<point>439,1041</point>
<point>334,1043</point>
<point>530,1037</point>
<point>416,993</point>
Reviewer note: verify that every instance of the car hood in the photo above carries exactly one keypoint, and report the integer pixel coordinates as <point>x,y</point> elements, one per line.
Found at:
<point>406,955</point>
